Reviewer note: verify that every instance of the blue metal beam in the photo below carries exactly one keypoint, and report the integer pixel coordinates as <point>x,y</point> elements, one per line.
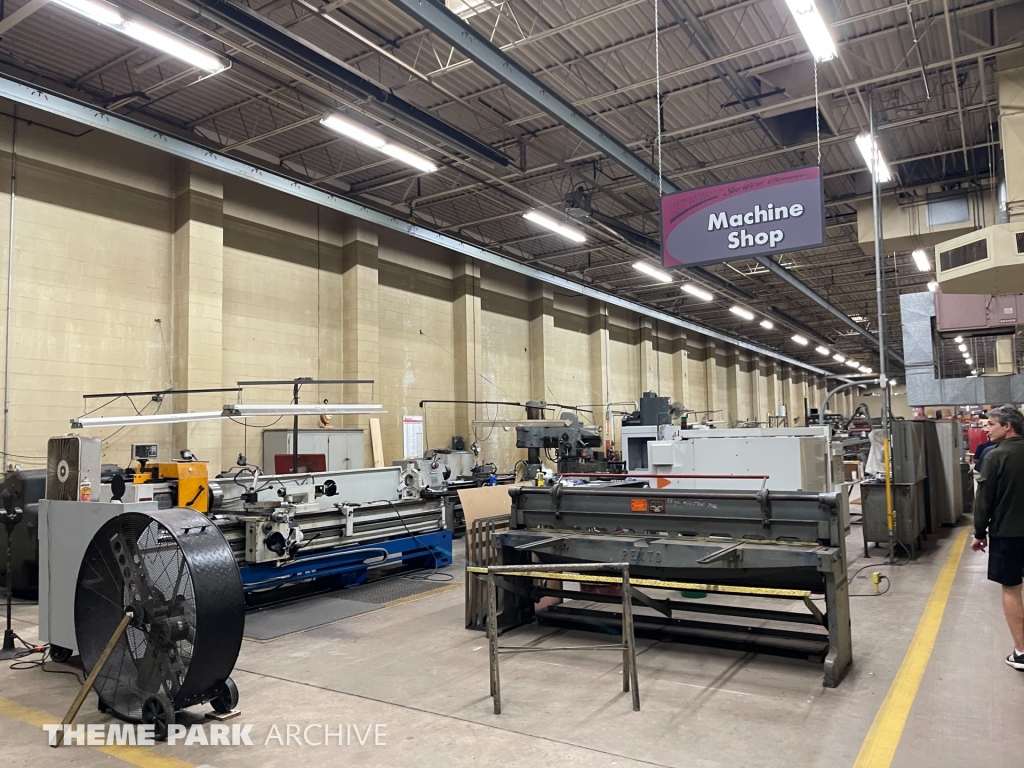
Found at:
<point>449,27</point>
<point>79,112</point>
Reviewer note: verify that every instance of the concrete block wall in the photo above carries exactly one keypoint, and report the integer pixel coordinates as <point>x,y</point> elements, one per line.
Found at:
<point>249,284</point>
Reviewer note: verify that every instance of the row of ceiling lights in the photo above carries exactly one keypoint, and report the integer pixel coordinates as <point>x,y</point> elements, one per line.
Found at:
<point>746,314</point>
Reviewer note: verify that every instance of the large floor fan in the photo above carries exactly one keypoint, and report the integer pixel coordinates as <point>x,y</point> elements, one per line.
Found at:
<point>175,573</point>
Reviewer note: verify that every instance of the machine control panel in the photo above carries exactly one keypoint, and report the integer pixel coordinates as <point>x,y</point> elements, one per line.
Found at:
<point>144,452</point>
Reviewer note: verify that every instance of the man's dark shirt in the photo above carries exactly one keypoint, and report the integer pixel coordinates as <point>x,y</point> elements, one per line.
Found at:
<point>999,505</point>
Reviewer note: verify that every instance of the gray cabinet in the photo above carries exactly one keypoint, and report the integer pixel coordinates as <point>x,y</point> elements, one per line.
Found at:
<point>343,448</point>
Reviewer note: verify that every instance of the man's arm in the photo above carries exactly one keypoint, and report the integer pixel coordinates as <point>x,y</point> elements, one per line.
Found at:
<point>985,498</point>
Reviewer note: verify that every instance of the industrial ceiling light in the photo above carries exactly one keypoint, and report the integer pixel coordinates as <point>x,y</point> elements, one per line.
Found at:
<point>801,340</point>
<point>969,361</point>
<point>351,129</point>
<point>921,259</point>
<point>959,339</point>
<point>853,364</point>
<point>823,350</point>
<point>657,274</point>
<point>767,324</point>
<point>933,286</point>
<point>962,347</point>
<point>746,314</point>
<point>697,292</point>
<point>838,358</point>
<point>466,8</point>
<point>873,158</point>
<point>550,222</point>
<point>864,369</point>
<point>814,29</point>
<point>974,372</point>
<point>111,16</point>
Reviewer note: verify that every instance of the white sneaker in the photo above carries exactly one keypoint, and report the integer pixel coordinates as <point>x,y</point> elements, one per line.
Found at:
<point>1016,660</point>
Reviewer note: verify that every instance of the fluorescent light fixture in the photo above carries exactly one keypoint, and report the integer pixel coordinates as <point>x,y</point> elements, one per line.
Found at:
<point>746,314</point>
<point>801,340</point>
<point>244,410</point>
<point>873,158</point>
<point>933,286</point>
<point>767,324</point>
<point>550,222</point>
<point>814,29</point>
<point>853,364</point>
<point>838,358</point>
<point>921,259</point>
<point>351,129</point>
<point>647,269</point>
<point>696,291</point>
<point>974,372</point>
<point>174,45</point>
<point>864,369</point>
<point>962,347</point>
<point>959,339</point>
<point>100,422</point>
<point>466,8</point>
<point>969,361</point>
<point>101,13</point>
<point>823,350</point>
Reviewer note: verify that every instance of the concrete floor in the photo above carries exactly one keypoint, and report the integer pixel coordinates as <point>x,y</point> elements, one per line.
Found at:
<point>413,669</point>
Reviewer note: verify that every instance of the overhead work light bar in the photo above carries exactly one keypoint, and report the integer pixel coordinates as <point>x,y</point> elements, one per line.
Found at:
<point>697,292</point>
<point>232,410</point>
<point>174,45</point>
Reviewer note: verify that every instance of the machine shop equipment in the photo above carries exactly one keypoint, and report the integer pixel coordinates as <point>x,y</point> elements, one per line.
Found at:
<point>175,572</point>
<point>572,443</point>
<point>182,483</point>
<point>754,543</point>
<point>321,529</point>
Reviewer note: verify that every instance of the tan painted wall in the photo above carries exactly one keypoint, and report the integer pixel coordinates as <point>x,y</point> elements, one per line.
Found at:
<point>97,234</point>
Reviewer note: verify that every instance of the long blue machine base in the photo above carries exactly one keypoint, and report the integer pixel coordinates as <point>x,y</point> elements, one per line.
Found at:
<point>349,566</point>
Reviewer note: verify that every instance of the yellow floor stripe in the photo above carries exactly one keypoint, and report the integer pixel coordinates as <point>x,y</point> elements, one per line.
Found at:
<point>143,757</point>
<point>879,746</point>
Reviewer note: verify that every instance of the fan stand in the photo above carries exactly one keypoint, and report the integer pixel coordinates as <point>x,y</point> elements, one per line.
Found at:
<point>101,662</point>
<point>10,516</point>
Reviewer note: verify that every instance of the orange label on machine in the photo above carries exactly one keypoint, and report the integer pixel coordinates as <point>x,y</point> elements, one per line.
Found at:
<point>638,505</point>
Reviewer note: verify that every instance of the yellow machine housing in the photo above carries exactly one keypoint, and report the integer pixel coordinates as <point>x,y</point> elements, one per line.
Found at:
<point>188,480</point>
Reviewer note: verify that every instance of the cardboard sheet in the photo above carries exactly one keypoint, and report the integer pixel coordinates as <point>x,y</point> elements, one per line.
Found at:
<point>488,501</point>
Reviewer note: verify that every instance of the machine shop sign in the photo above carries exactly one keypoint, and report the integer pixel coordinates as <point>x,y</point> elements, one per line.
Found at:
<point>741,219</point>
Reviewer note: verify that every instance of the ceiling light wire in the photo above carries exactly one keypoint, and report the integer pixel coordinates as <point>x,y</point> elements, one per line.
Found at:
<point>657,87</point>
<point>817,113</point>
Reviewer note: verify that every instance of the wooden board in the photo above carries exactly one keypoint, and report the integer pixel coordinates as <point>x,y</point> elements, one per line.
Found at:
<point>488,501</point>
<point>376,443</point>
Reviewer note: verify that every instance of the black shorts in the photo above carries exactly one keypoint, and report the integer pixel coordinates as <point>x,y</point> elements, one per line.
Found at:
<point>1006,560</point>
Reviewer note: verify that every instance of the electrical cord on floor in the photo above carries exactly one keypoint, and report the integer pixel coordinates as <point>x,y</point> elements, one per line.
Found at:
<point>21,662</point>
<point>421,577</point>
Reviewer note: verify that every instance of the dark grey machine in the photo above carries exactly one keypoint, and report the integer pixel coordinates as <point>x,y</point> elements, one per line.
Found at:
<point>773,543</point>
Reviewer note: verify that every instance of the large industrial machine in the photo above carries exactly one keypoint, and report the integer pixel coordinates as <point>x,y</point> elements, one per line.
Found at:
<point>287,533</point>
<point>573,445</point>
<point>754,544</point>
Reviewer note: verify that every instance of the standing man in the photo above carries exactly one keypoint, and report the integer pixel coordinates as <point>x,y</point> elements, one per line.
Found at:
<point>999,512</point>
